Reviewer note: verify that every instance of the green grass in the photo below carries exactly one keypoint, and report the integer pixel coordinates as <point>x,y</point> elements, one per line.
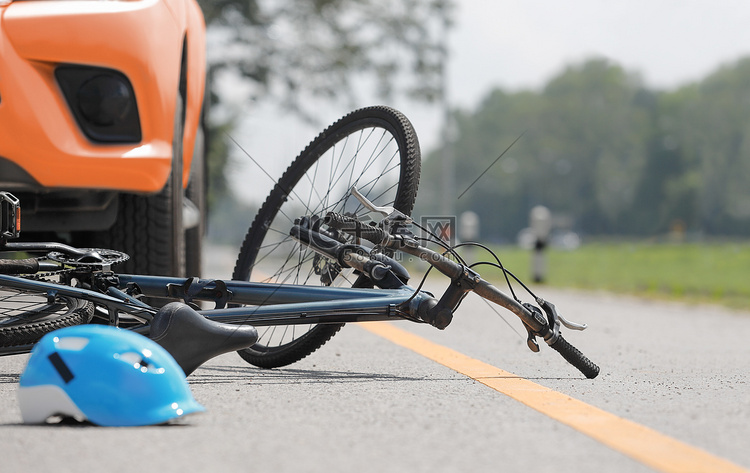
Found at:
<point>712,273</point>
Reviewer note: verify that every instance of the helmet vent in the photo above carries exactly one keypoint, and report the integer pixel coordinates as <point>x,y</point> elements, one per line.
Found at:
<point>71,343</point>
<point>140,361</point>
<point>61,367</point>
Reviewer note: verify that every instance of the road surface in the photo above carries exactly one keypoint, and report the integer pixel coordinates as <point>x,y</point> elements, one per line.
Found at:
<point>673,395</point>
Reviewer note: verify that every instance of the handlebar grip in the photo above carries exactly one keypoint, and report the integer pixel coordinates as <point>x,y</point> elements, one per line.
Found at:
<point>354,227</point>
<point>19,266</point>
<point>576,358</point>
<point>340,221</point>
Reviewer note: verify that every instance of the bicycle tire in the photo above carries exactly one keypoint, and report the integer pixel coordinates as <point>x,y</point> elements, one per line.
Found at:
<point>390,139</point>
<point>27,315</point>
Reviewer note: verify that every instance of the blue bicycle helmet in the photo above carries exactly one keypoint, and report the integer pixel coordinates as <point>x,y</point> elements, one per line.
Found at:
<point>106,375</point>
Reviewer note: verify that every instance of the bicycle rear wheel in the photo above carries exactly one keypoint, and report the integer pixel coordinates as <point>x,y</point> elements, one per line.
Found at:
<point>27,315</point>
<point>374,149</point>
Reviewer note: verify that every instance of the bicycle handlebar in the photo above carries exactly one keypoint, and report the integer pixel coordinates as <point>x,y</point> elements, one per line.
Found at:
<point>464,280</point>
<point>542,327</point>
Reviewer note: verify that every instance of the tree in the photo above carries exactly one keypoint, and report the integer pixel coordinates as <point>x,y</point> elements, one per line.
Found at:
<point>580,154</point>
<point>290,50</point>
<point>594,122</point>
<point>711,122</point>
<point>294,47</point>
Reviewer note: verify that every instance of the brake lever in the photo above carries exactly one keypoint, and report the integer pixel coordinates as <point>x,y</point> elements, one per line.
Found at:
<point>572,325</point>
<point>549,308</point>
<point>554,320</point>
<point>388,212</point>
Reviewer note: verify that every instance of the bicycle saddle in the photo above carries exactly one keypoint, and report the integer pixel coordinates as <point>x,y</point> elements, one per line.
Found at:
<point>193,339</point>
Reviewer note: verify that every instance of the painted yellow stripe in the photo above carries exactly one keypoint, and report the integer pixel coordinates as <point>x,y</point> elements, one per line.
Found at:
<point>643,444</point>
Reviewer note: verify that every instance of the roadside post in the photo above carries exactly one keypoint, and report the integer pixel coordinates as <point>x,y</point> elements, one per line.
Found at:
<point>540,221</point>
<point>468,230</point>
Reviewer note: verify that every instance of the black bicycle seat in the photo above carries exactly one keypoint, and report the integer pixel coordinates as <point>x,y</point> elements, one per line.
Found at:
<point>193,339</point>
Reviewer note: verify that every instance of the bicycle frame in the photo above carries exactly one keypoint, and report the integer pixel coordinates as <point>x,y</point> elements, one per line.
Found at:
<point>267,304</point>
<point>285,304</point>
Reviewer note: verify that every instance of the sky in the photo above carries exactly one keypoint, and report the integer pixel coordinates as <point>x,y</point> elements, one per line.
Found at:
<point>521,44</point>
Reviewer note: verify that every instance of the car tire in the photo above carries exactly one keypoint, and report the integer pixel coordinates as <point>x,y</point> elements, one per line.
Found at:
<point>149,228</point>
<point>196,194</point>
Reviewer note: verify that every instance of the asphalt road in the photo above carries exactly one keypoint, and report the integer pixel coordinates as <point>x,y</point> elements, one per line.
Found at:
<point>363,403</point>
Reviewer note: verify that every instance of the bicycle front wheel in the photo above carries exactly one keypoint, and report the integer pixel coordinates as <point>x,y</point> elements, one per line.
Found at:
<point>375,149</point>
<point>27,315</point>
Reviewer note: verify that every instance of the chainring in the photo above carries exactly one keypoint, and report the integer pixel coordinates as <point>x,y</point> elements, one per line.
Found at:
<point>94,258</point>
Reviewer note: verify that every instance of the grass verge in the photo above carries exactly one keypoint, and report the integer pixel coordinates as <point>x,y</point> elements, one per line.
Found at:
<point>706,273</point>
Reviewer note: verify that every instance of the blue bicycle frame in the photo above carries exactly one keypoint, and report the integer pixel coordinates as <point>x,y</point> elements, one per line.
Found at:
<point>285,304</point>
<point>263,304</point>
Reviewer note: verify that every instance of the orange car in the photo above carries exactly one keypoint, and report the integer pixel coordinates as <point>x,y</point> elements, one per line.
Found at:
<point>100,125</point>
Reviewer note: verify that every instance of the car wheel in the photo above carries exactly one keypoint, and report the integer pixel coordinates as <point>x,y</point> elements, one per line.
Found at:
<point>149,228</point>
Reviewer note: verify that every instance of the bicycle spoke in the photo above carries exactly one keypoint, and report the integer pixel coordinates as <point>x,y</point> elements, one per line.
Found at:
<point>18,306</point>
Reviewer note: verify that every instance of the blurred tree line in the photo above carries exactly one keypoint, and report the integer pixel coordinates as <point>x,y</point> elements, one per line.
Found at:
<point>289,51</point>
<point>611,155</point>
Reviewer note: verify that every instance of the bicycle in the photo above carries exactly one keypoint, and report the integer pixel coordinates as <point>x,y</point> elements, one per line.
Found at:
<point>315,227</point>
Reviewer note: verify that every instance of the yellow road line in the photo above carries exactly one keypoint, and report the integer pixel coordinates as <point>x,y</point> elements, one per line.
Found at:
<point>641,443</point>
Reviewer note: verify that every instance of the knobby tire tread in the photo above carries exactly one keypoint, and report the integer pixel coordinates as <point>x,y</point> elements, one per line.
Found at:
<point>407,190</point>
<point>79,312</point>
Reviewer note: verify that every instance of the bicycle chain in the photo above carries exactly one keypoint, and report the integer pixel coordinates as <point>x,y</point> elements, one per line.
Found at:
<point>47,275</point>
